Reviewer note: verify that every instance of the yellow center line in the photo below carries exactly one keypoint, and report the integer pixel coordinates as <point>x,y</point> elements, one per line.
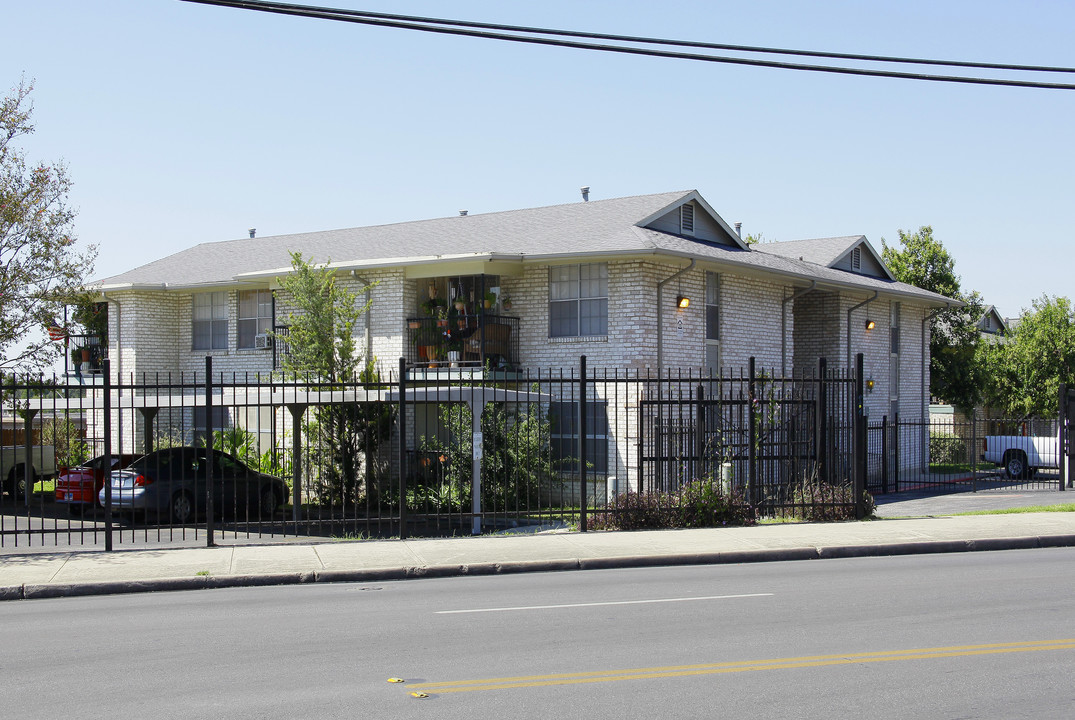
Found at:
<point>743,666</point>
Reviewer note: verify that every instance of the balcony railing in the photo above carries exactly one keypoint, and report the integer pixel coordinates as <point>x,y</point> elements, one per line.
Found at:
<point>95,353</point>
<point>483,341</point>
<point>280,346</point>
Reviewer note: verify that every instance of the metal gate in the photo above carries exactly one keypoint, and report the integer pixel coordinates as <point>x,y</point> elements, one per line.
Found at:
<point>755,432</point>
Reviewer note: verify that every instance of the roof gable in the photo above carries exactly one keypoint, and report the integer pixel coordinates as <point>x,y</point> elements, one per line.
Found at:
<point>704,223</point>
<point>991,322</point>
<point>850,253</point>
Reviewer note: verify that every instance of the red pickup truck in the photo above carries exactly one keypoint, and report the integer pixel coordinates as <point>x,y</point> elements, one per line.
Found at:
<point>77,487</point>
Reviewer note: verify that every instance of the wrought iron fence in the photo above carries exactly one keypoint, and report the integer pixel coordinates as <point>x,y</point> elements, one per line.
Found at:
<point>448,453</point>
<point>949,452</point>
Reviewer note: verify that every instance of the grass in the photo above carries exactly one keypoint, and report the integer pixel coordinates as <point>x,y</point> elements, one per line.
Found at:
<point>1062,507</point>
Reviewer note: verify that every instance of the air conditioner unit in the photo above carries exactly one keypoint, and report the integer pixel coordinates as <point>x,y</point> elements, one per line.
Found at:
<point>262,341</point>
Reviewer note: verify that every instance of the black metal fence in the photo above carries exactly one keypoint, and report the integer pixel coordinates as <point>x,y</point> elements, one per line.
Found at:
<point>955,452</point>
<point>460,451</point>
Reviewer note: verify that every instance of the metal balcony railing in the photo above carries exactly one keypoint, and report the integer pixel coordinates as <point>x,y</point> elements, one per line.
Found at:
<point>463,341</point>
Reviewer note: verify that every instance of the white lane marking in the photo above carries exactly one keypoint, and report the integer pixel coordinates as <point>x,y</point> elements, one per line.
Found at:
<point>600,604</point>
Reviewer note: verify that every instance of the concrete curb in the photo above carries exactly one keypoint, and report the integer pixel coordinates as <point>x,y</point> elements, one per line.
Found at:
<point>33,591</point>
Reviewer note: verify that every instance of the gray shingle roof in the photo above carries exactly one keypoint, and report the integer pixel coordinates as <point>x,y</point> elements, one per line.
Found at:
<point>821,251</point>
<point>582,229</point>
<point>596,226</point>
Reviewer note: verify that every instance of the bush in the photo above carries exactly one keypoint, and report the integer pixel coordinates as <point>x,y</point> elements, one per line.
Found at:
<point>946,448</point>
<point>699,503</point>
<point>824,502</point>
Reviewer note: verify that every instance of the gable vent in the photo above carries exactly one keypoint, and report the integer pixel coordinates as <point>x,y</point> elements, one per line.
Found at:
<point>686,218</point>
<point>856,259</point>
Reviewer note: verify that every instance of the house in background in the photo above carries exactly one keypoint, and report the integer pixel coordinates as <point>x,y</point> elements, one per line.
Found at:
<point>991,324</point>
<point>645,282</point>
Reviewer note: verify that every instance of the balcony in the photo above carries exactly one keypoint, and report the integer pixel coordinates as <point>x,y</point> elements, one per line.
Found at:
<point>485,342</point>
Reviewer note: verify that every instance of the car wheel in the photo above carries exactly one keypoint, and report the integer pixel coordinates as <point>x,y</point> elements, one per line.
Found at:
<point>182,508</point>
<point>1015,465</point>
<point>16,481</point>
<point>268,501</point>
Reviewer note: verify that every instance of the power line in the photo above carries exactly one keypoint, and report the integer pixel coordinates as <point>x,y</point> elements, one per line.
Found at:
<point>646,40</point>
<point>454,27</point>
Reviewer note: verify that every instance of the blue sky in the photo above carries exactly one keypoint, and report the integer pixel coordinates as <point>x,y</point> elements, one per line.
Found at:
<point>184,123</point>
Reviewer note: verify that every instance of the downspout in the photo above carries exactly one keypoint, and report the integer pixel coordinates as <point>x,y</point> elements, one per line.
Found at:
<point>784,325</point>
<point>118,366</point>
<point>867,301</point>
<point>660,310</point>
<point>366,315</point>
<point>925,365</point>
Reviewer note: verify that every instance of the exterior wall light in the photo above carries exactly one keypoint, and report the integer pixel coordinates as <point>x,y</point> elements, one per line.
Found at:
<point>870,324</point>
<point>682,301</point>
<point>869,385</point>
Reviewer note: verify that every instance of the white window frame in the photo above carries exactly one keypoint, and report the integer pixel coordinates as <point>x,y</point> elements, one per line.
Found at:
<point>580,294</point>
<point>564,436</point>
<point>894,359</point>
<point>712,322</point>
<point>262,319</point>
<point>209,310</point>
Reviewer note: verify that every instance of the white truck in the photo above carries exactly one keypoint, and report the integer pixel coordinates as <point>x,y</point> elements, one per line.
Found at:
<point>13,467</point>
<point>1022,456</point>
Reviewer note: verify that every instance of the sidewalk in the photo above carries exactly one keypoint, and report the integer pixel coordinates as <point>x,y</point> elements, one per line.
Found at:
<point>45,575</point>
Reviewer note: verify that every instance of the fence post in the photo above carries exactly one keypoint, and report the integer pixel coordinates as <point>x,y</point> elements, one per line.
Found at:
<point>1062,438</point>
<point>752,448</point>
<point>859,467</point>
<point>699,435</point>
<point>884,454</point>
<point>821,421</point>
<point>896,442</point>
<point>108,452</point>
<point>210,527</point>
<point>28,449</point>
<point>402,448</point>
<point>974,449</point>
<point>582,441</point>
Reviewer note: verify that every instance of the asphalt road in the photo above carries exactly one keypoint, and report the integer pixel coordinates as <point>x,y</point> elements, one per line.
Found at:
<point>976,635</point>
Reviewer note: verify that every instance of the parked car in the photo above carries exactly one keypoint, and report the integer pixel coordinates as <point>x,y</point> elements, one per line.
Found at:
<point>13,467</point>
<point>1022,456</point>
<point>78,486</point>
<point>172,483</point>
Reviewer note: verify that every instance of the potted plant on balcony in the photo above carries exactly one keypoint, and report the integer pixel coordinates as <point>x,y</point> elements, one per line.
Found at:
<point>433,305</point>
<point>489,300</point>
<point>505,302</point>
<point>429,340</point>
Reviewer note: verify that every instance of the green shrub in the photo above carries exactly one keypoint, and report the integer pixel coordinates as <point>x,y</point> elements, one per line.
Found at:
<point>699,503</point>
<point>946,448</point>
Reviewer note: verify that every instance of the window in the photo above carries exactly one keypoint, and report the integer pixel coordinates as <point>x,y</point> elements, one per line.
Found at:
<point>894,360</point>
<point>712,323</point>
<point>221,421</point>
<point>564,436</point>
<point>578,300</point>
<point>686,218</point>
<point>210,321</point>
<point>255,316</point>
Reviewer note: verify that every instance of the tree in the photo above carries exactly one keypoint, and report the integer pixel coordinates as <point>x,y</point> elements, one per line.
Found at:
<point>322,347</point>
<point>40,268</point>
<point>1024,371</point>
<point>956,375</point>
